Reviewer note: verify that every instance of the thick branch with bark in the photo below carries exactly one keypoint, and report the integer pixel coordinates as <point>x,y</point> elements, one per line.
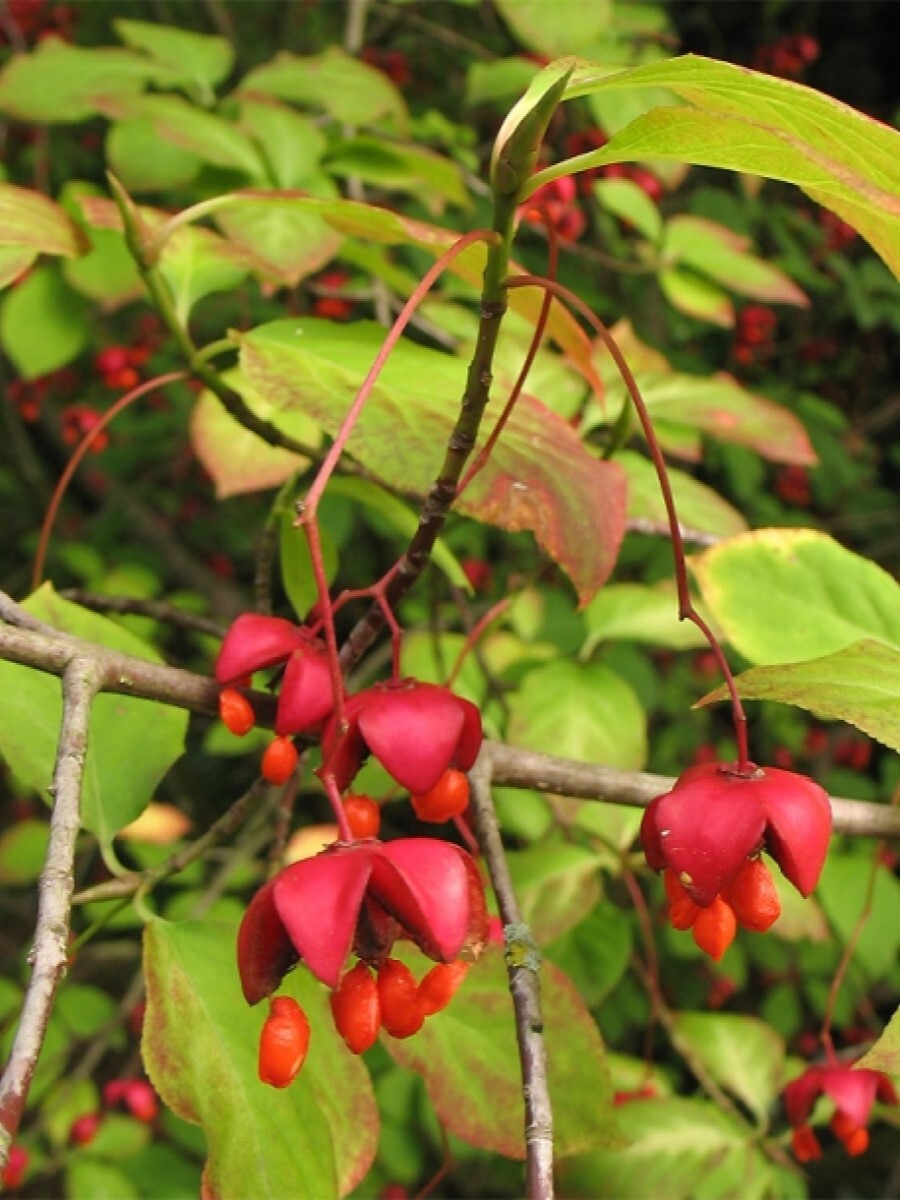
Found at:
<point>523,963</point>
<point>511,766</point>
<point>82,678</point>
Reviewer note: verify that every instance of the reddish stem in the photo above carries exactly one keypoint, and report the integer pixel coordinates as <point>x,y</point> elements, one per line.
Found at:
<point>686,610</point>
<point>345,833</point>
<point>81,450</point>
<point>474,634</point>
<point>308,512</point>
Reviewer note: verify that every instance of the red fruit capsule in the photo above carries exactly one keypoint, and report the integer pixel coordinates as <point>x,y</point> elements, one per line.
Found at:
<point>714,928</point>
<point>236,711</point>
<point>805,1145</point>
<point>448,798</point>
<point>280,760</point>
<point>854,1136</point>
<point>402,1014</point>
<point>356,1008</point>
<point>283,1043</point>
<point>440,985</point>
<point>363,816</point>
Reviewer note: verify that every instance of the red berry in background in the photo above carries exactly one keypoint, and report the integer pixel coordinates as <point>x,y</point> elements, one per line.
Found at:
<point>356,1008</point>
<point>13,1175</point>
<point>279,761</point>
<point>793,486</point>
<point>853,752</point>
<point>137,1095</point>
<point>440,985</point>
<point>398,996</point>
<point>283,1043</point>
<point>84,1129</point>
<point>753,896</point>
<point>714,928</point>
<point>363,816</point>
<point>448,798</point>
<point>236,711</point>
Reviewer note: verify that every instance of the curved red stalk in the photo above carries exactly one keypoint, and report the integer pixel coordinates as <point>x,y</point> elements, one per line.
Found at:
<point>686,610</point>
<point>81,450</point>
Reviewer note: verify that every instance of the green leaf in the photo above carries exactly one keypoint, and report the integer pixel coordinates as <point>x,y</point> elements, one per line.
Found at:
<point>316,1138</point>
<point>640,613</point>
<point>404,168</point>
<point>14,262</point>
<point>722,255</point>
<point>31,220</point>
<point>400,517</point>
<point>499,80</point>
<point>626,200</point>
<point>202,59</point>
<point>595,954</point>
<point>345,88</point>
<point>292,145</point>
<point>284,242</point>
<point>145,162</point>
<point>557,884</point>
<point>209,137</point>
<point>539,476</point>
<point>696,297</point>
<point>196,263</point>
<point>885,1054</point>
<point>581,711</point>
<point>296,564</point>
<point>89,1176</point>
<point>699,507</point>
<point>237,460</point>
<point>84,1010</point>
<point>859,684</point>
<point>743,120</point>
<point>742,1054</point>
<point>43,323</point>
<point>106,272</point>
<point>22,852</point>
<point>132,743</point>
<point>61,83</point>
<point>467,1057</point>
<point>819,596</point>
<point>674,1144</point>
<point>843,892</point>
<point>563,27</point>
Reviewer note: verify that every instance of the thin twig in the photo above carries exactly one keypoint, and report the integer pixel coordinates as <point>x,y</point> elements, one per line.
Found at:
<point>82,680</point>
<point>523,967</point>
<point>157,610</point>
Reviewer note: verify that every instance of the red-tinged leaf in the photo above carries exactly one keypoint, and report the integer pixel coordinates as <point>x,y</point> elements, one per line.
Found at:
<point>717,405</point>
<point>723,255</point>
<point>539,478</point>
<point>467,1056</point>
<point>286,244</point>
<point>237,460</point>
<point>316,1138</point>
<point>33,221</point>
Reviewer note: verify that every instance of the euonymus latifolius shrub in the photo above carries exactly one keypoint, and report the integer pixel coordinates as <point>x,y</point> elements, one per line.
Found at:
<point>383,383</point>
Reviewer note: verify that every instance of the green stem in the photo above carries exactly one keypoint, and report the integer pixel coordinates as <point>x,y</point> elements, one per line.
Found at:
<point>145,253</point>
<point>461,442</point>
